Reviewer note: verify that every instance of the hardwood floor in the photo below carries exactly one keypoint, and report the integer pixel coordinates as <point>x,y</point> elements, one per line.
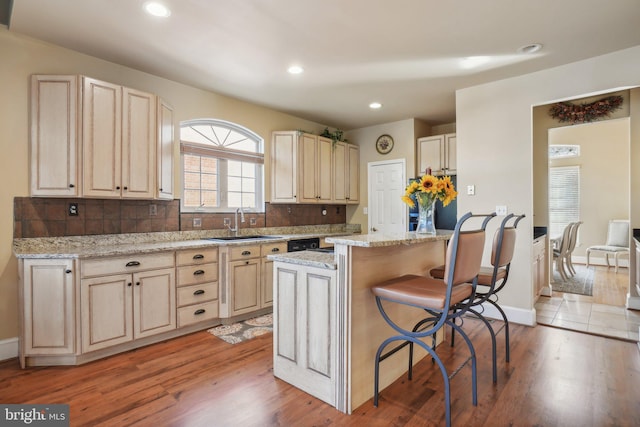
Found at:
<point>555,378</point>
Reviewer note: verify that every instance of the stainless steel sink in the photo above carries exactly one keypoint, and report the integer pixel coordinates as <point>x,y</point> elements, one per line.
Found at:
<point>227,238</point>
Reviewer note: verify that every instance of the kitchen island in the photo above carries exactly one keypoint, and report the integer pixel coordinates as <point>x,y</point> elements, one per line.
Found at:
<point>327,327</point>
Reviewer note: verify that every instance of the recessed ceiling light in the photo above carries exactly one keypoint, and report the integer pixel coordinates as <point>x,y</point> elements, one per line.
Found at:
<point>295,69</point>
<point>530,48</point>
<point>473,61</point>
<point>157,9</point>
<point>375,105</point>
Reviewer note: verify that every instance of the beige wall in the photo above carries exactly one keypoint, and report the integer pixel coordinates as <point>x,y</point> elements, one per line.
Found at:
<point>495,150</point>
<point>21,57</point>
<point>604,175</point>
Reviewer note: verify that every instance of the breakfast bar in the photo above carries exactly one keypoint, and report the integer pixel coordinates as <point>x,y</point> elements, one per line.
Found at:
<point>327,327</point>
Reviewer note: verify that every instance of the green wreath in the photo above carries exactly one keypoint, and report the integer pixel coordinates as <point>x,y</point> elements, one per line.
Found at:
<point>584,113</point>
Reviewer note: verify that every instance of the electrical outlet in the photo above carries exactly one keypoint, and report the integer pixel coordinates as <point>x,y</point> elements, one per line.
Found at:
<point>501,210</point>
<point>252,221</point>
<point>73,209</point>
<point>153,210</point>
<point>226,221</point>
<point>471,190</point>
<point>197,222</point>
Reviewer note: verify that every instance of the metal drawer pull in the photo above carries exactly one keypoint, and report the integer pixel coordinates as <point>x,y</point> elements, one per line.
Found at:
<point>201,311</point>
<point>198,256</point>
<point>132,264</point>
<point>198,272</point>
<point>67,271</point>
<point>246,252</point>
<point>275,250</point>
<point>199,292</point>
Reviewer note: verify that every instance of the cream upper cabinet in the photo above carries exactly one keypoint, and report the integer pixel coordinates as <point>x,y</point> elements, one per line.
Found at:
<point>437,152</point>
<point>315,169</point>
<point>353,174</point>
<point>54,136</point>
<point>284,167</point>
<point>91,138</point>
<point>165,140</point>
<point>48,314</point>
<point>308,168</point>
<point>118,141</point>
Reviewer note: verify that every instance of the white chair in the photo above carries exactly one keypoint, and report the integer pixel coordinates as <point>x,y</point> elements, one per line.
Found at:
<point>560,253</point>
<point>617,242</point>
<point>573,240</point>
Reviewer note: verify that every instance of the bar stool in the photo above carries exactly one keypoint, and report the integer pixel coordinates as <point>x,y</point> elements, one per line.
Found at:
<point>463,259</point>
<point>491,280</point>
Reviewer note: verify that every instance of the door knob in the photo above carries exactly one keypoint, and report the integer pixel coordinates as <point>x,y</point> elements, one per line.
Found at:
<point>374,229</point>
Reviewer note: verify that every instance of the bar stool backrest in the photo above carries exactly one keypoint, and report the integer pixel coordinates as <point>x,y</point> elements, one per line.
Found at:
<point>502,255</point>
<point>468,257</point>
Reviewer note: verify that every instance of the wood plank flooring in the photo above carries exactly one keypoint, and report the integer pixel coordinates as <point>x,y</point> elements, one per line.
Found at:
<point>555,378</point>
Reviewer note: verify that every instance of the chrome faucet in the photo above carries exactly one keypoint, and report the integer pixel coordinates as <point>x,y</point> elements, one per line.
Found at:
<point>235,217</point>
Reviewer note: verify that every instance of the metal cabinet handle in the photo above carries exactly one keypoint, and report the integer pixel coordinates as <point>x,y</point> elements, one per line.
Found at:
<point>199,292</point>
<point>275,250</point>
<point>374,229</point>
<point>67,271</point>
<point>198,256</point>
<point>125,188</point>
<point>137,283</point>
<point>71,186</point>
<point>198,272</point>
<point>246,252</point>
<point>129,284</point>
<point>201,311</point>
<point>118,187</point>
<point>132,264</point>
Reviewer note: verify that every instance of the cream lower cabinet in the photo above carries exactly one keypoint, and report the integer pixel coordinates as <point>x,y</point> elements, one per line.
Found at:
<point>246,279</point>
<point>48,319</point>
<point>117,308</point>
<point>197,285</point>
<point>539,269</point>
<point>305,334</point>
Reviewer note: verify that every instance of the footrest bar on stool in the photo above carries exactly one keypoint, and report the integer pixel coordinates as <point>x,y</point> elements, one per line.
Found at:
<point>453,374</point>
<point>394,350</point>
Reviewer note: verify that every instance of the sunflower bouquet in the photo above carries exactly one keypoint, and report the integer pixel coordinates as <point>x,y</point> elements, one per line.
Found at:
<point>429,188</point>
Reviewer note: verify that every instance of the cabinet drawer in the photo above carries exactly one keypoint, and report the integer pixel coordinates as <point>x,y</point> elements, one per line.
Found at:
<point>197,313</point>
<point>273,248</point>
<point>126,264</point>
<point>194,274</point>
<point>244,252</point>
<point>197,294</point>
<point>197,256</point>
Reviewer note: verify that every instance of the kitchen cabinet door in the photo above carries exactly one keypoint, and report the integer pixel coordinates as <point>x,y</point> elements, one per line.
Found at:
<point>340,172</point>
<point>48,298</point>
<point>107,311</point>
<point>101,139</point>
<point>353,175</point>
<point>244,277</point>
<point>154,302</point>
<point>284,167</point>
<point>308,154</point>
<point>54,136</point>
<point>165,139</point>
<point>324,170</point>
<point>437,152</point>
<point>138,144</point>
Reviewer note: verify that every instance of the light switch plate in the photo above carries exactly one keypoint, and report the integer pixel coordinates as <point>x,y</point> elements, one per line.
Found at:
<point>471,190</point>
<point>501,210</point>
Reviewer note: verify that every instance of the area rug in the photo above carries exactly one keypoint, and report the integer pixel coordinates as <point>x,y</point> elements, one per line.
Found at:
<point>243,331</point>
<point>581,283</point>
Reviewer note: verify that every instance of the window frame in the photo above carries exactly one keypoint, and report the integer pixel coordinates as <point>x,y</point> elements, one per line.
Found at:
<point>224,155</point>
<point>556,226</point>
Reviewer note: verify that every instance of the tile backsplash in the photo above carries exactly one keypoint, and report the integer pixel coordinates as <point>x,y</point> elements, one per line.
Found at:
<point>49,217</point>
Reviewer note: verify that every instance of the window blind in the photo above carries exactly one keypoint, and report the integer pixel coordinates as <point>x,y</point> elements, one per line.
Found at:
<point>564,198</point>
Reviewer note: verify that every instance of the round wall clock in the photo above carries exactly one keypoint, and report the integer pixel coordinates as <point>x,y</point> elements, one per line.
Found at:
<point>384,144</point>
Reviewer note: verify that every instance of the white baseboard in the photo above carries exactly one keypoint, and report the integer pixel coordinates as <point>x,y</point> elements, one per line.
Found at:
<point>515,315</point>
<point>8,348</point>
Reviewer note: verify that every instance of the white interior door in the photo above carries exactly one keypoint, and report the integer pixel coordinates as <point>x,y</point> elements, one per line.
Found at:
<point>387,211</point>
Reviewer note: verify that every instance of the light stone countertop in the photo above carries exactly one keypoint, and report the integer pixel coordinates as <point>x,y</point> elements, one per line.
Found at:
<point>134,243</point>
<point>309,258</point>
<point>389,239</point>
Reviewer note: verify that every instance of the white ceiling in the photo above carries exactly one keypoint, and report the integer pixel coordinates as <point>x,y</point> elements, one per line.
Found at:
<point>403,53</point>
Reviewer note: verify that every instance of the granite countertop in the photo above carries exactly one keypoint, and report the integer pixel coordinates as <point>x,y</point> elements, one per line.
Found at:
<point>309,258</point>
<point>389,239</point>
<point>126,244</point>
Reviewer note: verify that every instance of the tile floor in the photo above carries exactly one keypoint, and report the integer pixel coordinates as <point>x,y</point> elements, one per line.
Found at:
<point>569,311</point>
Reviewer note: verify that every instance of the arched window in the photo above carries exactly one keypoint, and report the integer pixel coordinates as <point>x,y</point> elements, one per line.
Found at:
<point>222,167</point>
